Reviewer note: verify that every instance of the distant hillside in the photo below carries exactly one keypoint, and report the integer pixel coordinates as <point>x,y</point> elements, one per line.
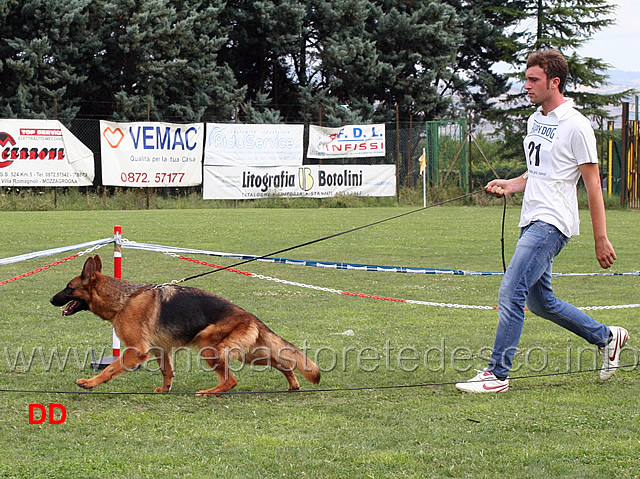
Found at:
<point>620,80</point>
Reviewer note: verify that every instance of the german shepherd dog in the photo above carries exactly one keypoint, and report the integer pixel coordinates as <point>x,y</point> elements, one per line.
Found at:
<point>153,320</point>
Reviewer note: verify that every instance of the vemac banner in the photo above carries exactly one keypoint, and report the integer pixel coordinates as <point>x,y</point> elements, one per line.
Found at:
<point>151,154</point>
<point>230,144</point>
<point>318,181</point>
<point>348,141</point>
<point>42,153</point>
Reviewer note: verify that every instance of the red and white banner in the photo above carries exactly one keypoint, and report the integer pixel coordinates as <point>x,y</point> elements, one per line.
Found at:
<point>151,154</point>
<point>42,153</point>
<point>350,141</point>
<point>317,181</point>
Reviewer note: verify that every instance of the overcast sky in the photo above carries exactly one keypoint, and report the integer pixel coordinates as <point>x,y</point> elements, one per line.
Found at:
<point>619,44</point>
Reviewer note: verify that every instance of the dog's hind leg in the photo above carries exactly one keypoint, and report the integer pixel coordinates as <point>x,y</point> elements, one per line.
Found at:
<point>267,358</point>
<point>128,361</point>
<point>294,385</point>
<point>226,381</point>
<point>164,361</point>
<point>219,353</point>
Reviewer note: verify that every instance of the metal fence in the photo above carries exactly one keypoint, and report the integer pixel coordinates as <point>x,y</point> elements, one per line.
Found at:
<point>630,159</point>
<point>447,154</point>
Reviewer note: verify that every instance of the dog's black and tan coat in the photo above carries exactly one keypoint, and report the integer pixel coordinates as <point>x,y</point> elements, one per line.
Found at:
<point>155,320</point>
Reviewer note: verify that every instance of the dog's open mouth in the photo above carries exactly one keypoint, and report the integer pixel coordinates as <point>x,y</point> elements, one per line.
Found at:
<point>74,306</point>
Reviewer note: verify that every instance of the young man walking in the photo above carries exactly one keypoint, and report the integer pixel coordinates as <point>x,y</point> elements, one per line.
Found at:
<point>560,146</point>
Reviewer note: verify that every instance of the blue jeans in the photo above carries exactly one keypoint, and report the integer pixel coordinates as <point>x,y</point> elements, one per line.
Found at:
<point>528,278</point>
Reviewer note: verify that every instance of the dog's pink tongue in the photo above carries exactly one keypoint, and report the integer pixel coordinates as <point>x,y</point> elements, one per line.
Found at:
<point>68,309</point>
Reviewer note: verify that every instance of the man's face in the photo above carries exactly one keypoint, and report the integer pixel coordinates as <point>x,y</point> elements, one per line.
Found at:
<point>537,85</point>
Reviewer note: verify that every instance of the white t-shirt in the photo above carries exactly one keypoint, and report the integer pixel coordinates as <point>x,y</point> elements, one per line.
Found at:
<point>555,146</point>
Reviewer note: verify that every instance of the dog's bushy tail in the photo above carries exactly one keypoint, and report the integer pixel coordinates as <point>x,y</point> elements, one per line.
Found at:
<point>289,357</point>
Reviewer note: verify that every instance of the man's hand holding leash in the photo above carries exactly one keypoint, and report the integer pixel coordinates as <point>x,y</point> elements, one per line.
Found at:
<point>500,187</point>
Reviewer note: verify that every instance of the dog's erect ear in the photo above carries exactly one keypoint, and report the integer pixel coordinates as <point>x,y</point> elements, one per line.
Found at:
<point>89,269</point>
<point>98,263</point>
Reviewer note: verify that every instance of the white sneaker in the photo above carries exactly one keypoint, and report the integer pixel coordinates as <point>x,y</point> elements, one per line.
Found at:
<point>611,352</point>
<point>484,382</point>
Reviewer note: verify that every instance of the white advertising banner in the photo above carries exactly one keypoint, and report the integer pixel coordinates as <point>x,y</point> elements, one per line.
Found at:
<point>317,181</point>
<point>346,142</point>
<point>151,154</point>
<point>42,153</point>
<point>254,145</point>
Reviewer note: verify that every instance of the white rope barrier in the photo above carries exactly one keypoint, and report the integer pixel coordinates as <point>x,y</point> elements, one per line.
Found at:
<point>342,265</point>
<point>177,252</point>
<point>63,249</point>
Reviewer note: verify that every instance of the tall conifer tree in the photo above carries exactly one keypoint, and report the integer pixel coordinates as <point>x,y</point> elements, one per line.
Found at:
<point>43,56</point>
<point>567,25</point>
<point>115,59</point>
<point>564,25</point>
<point>161,57</point>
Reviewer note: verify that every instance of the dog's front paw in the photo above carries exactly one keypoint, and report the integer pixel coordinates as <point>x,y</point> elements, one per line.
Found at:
<point>85,384</point>
<point>208,392</point>
<point>162,389</point>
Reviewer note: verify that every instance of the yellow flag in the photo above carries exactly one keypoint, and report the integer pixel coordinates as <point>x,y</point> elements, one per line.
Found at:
<point>423,161</point>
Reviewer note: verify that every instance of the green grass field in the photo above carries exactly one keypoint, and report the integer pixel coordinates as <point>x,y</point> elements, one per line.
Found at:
<point>554,422</point>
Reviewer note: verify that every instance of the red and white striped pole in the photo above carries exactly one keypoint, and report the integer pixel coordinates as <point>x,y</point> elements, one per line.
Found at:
<point>117,273</point>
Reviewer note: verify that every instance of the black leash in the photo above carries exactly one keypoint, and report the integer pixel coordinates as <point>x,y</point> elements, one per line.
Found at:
<point>504,208</point>
<point>504,215</point>
<point>329,237</point>
<point>299,391</point>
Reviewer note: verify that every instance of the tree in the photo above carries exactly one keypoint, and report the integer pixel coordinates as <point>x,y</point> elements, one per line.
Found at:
<point>116,59</point>
<point>566,26</point>
<point>359,59</point>
<point>485,41</point>
<point>159,58</point>
<point>417,43</point>
<point>263,50</point>
<point>342,61</point>
<point>275,60</point>
<point>43,55</point>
